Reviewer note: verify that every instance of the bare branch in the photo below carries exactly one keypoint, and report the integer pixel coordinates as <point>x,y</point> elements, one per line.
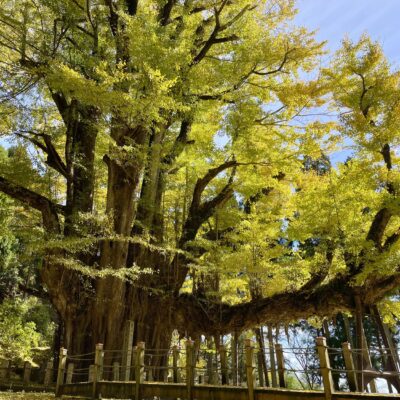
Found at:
<point>279,68</point>
<point>53,158</point>
<point>213,39</point>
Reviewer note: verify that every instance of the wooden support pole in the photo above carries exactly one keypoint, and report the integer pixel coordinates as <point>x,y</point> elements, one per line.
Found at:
<point>234,354</point>
<point>250,368</point>
<point>189,368</point>
<point>97,370</point>
<point>61,370</point>
<point>325,367</point>
<point>127,350</point>
<point>27,372</point>
<point>175,362</point>
<point>388,340</point>
<point>70,373</point>
<point>209,362</point>
<point>272,357</point>
<point>349,364</point>
<point>359,342</point>
<point>139,368</point>
<point>48,374</point>
<point>224,365</point>
<point>367,361</point>
<point>281,365</point>
<point>260,368</point>
<point>115,371</point>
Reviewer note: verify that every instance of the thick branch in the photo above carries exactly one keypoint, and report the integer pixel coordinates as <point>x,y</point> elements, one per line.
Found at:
<point>53,158</point>
<point>132,6</point>
<point>203,182</point>
<point>378,226</point>
<point>200,212</point>
<point>48,209</point>
<point>328,300</point>
<point>392,239</point>
<point>180,142</point>
<point>165,12</point>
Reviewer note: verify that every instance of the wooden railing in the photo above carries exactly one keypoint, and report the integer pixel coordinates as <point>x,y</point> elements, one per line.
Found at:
<point>190,373</point>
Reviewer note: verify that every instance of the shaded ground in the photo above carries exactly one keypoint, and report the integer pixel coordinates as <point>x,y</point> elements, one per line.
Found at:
<point>25,396</point>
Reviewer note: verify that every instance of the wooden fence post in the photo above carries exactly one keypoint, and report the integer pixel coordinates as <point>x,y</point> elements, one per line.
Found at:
<point>9,370</point>
<point>115,371</point>
<point>127,350</point>
<point>325,367</point>
<point>349,365</point>
<point>48,374</point>
<point>139,368</point>
<point>189,368</point>
<point>5,366</point>
<point>150,377</point>
<point>250,368</point>
<point>281,365</point>
<point>61,370</point>
<point>70,373</point>
<point>27,372</point>
<point>175,360</point>
<point>97,370</point>
<point>134,352</point>
<point>224,365</point>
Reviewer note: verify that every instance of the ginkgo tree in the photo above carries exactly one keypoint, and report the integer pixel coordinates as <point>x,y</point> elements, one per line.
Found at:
<point>159,120</point>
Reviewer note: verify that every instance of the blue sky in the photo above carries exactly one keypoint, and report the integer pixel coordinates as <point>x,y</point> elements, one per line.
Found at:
<point>335,18</point>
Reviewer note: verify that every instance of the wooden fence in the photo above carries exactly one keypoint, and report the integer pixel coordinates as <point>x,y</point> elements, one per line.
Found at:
<point>131,374</point>
<point>26,377</point>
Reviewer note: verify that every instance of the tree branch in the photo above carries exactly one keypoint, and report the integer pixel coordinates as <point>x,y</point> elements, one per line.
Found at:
<point>207,178</point>
<point>213,39</point>
<point>200,212</point>
<point>132,6</point>
<point>53,158</point>
<point>325,301</point>
<point>165,12</point>
<point>378,226</point>
<point>48,209</point>
<point>180,142</point>
<point>392,239</point>
<point>278,69</point>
